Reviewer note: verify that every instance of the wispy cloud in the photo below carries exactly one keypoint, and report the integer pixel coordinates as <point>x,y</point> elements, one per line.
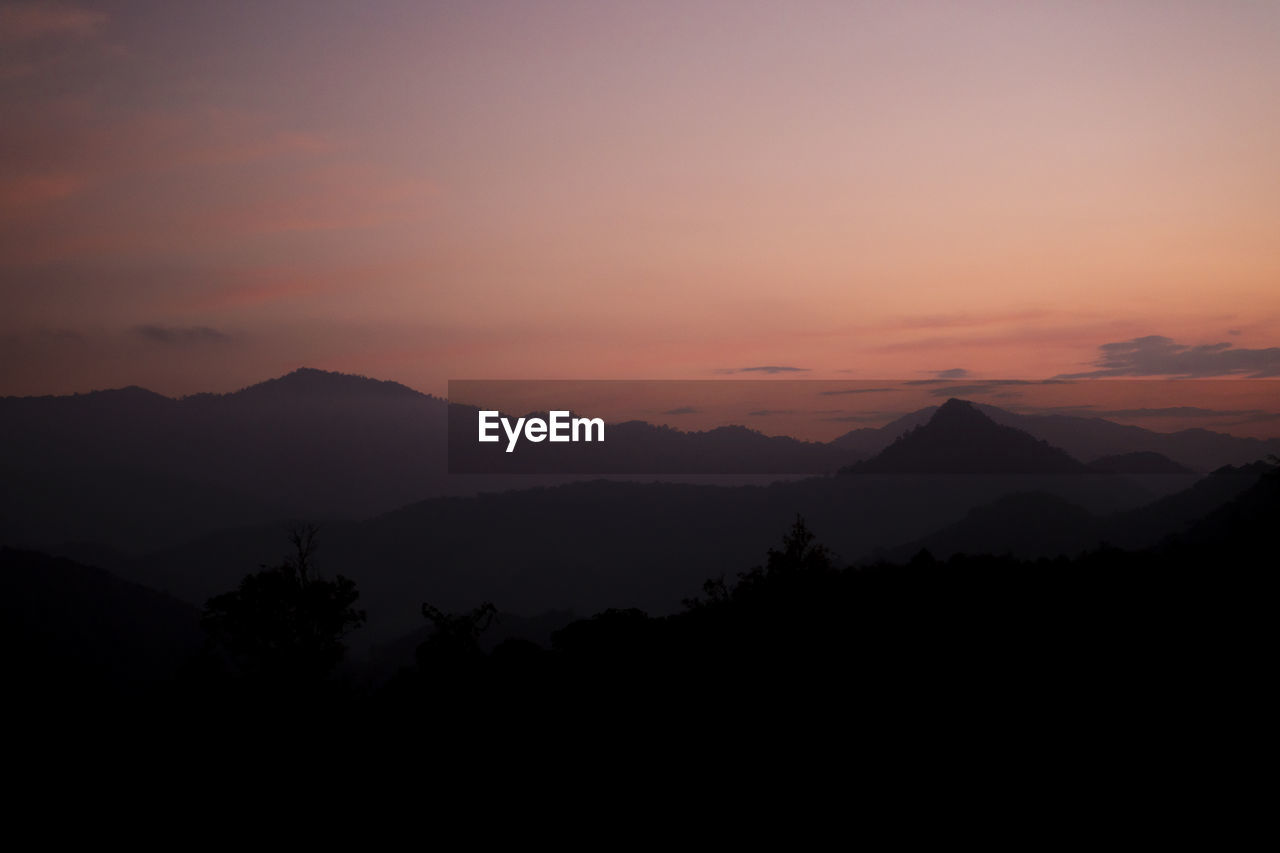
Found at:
<point>180,335</point>
<point>30,21</point>
<point>941,377</point>
<point>1156,355</point>
<point>681,410</point>
<point>866,418</point>
<point>982,387</point>
<point>856,391</point>
<point>768,368</point>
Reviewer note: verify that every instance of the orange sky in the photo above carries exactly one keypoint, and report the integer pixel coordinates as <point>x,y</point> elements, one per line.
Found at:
<point>199,196</point>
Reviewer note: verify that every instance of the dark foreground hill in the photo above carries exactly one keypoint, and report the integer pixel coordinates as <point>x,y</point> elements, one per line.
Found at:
<point>1107,642</point>
<point>591,546</point>
<point>1132,646</point>
<point>1031,525</point>
<point>65,624</point>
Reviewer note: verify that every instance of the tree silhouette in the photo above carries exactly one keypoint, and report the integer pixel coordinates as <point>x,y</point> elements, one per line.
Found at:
<point>456,638</point>
<point>799,553</point>
<point>285,625</point>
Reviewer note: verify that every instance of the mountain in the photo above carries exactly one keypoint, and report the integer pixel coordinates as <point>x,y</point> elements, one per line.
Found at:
<point>1138,462</point>
<point>1024,524</point>
<point>960,439</point>
<point>135,471</point>
<point>1088,438</point>
<point>69,624</point>
<point>640,448</point>
<point>128,472</point>
<point>605,543</point>
<point>1037,524</point>
<point>869,441</point>
<point>1243,528</point>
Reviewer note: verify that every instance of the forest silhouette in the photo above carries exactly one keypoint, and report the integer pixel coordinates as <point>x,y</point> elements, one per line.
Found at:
<point>799,630</point>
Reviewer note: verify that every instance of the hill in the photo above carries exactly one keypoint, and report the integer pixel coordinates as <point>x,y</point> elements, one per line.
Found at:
<point>1138,462</point>
<point>960,439</point>
<point>1036,524</point>
<point>69,624</point>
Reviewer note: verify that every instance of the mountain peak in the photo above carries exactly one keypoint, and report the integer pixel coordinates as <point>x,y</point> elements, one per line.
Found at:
<point>957,410</point>
<point>309,381</point>
<point>961,439</point>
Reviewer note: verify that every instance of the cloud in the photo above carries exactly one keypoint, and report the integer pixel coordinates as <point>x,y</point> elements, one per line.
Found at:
<point>941,376</point>
<point>681,410</point>
<point>948,387</point>
<point>30,21</point>
<point>180,335</point>
<point>764,413</point>
<point>866,418</point>
<point>982,387</point>
<point>856,391</point>
<point>19,193</point>
<point>769,368</point>
<point>1156,355</point>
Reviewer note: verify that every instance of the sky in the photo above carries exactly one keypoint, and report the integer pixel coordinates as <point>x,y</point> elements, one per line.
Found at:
<point>199,196</point>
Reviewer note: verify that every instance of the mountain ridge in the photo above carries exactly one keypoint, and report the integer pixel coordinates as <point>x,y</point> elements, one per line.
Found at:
<point>960,439</point>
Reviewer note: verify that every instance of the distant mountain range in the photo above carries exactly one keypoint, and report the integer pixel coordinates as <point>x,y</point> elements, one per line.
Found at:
<point>961,438</point>
<point>636,447</point>
<point>1089,438</point>
<point>115,473</point>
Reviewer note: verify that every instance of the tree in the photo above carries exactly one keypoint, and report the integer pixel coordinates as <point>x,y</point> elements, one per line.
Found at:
<point>285,625</point>
<point>800,553</point>
<point>455,642</point>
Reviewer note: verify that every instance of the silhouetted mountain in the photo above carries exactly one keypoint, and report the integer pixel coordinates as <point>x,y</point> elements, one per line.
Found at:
<point>1089,438</point>
<point>69,625</point>
<point>637,447</point>
<point>1138,462</point>
<point>137,470</point>
<point>1027,525</point>
<point>1245,527</point>
<point>1034,525</point>
<point>959,439</point>
<point>589,546</point>
<point>134,471</point>
<point>869,441</point>
<point>126,472</point>
<point>1143,526</point>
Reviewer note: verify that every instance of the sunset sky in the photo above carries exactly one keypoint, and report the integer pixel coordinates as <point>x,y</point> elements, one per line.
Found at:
<point>199,196</point>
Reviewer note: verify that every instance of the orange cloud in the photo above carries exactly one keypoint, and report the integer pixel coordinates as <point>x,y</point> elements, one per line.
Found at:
<point>29,21</point>
<point>19,194</point>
